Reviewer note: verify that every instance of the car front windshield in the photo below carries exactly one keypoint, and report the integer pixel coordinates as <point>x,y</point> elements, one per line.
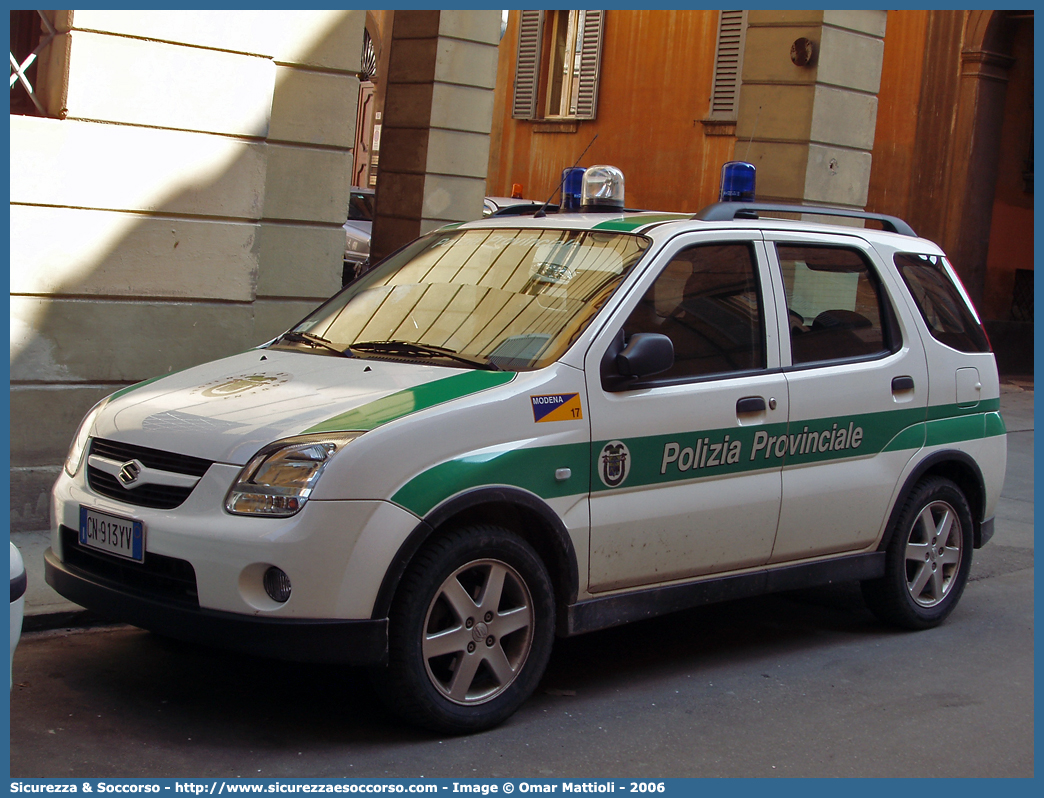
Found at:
<point>511,299</point>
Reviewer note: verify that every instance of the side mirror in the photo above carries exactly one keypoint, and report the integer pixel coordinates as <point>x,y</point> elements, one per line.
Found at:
<point>646,354</point>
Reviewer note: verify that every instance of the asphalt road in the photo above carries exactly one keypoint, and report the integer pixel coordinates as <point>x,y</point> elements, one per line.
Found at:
<point>799,684</point>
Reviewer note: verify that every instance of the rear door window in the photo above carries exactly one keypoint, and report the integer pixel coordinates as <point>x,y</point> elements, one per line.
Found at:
<point>836,305</point>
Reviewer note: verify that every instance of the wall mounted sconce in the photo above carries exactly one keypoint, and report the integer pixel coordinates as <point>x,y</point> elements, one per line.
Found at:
<point>803,52</point>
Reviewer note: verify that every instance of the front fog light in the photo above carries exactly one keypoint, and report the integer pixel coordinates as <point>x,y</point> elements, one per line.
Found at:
<point>279,479</point>
<point>277,584</point>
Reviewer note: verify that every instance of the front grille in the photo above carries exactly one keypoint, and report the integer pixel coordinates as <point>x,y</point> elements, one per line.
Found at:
<point>158,576</point>
<point>161,497</point>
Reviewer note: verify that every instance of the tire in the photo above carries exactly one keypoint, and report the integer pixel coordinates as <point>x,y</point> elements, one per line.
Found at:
<point>927,560</point>
<point>470,631</point>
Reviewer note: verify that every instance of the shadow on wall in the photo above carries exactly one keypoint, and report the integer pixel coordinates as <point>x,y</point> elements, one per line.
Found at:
<point>236,249</point>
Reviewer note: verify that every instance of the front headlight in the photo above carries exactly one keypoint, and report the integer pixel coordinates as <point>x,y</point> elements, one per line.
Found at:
<point>279,479</point>
<point>83,434</point>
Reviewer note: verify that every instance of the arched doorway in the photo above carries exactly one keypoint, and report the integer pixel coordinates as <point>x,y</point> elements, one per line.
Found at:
<point>998,59</point>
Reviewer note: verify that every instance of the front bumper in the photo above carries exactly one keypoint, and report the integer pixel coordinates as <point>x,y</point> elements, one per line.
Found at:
<point>335,552</point>
<point>356,642</point>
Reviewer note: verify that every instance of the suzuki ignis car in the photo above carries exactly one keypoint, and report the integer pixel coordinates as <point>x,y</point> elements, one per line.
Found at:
<point>542,425</point>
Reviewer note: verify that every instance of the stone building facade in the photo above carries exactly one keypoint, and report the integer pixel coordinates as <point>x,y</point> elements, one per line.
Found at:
<point>179,182</point>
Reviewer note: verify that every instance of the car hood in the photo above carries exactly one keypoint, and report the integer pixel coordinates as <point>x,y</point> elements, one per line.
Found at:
<point>226,410</point>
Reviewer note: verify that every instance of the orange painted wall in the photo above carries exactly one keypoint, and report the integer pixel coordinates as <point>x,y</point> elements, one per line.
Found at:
<point>657,68</point>
<point>895,136</point>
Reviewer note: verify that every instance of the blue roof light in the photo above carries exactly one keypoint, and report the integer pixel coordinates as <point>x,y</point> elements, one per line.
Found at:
<point>572,187</point>
<point>737,182</point>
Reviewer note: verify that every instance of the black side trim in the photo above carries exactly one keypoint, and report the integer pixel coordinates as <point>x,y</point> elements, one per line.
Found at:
<point>478,499</point>
<point>359,642</point>
<point>935,460</point>
<point>602,613</point>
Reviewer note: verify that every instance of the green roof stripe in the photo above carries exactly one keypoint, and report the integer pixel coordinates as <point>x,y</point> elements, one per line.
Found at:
<point>632,223</point>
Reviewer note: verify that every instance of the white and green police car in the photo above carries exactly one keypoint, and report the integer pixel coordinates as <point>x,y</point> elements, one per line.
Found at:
<point>536,426</point>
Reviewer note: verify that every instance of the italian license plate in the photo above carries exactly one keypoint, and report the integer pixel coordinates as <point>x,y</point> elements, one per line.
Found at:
<point>123,537</point>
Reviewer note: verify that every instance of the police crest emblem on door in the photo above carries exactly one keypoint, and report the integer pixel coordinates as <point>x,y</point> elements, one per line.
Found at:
<point>614,463</point>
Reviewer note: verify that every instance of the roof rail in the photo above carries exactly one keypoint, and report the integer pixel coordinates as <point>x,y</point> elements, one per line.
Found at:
<point>727,211</point>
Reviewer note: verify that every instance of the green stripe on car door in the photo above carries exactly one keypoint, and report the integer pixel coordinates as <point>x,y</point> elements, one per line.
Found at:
<point>532,469</point>
<point>698,454</point>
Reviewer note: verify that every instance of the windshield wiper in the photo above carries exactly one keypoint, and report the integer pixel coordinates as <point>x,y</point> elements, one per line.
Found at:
<point>409,349</point>
<point>313,340</point>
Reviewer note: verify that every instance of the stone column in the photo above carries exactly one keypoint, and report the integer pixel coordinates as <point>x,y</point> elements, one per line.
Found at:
<point>807,112</point>
<point>438,111</point>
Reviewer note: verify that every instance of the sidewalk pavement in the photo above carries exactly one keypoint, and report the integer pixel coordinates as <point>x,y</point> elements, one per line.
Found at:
<point>45,609</point>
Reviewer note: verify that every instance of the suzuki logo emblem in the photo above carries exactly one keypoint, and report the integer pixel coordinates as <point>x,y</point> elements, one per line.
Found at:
<point>129,473</point>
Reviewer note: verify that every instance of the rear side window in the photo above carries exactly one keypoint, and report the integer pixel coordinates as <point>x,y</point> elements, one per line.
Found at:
<point>836,306</point>
<point>947,313</point>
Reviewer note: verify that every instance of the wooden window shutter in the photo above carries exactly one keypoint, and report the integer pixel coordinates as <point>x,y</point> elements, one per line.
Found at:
<point>590,63</point>
<point>527,65</point>
<point>728,65</point>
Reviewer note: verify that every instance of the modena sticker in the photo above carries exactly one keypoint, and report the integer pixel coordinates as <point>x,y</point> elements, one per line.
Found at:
<point>557,407</point>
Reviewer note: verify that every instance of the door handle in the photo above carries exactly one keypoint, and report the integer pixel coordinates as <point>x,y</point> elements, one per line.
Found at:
<point>900,384</point>
<point>750,404</point>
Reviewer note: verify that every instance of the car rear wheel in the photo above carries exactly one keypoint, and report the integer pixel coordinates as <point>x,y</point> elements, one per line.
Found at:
<point>470,631</point>
<point>927,560</point>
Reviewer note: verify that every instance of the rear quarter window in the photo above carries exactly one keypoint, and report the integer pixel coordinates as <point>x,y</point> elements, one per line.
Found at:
<point>943,305</point>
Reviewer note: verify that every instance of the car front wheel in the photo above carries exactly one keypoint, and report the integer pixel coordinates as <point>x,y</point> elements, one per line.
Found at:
<point>927,560</point>
<point>470,632</point>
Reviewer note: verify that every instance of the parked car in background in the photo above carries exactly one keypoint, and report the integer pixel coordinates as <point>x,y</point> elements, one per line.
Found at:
<point>512,206</point>
<point>357,230</point>
<point>19,582</point>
